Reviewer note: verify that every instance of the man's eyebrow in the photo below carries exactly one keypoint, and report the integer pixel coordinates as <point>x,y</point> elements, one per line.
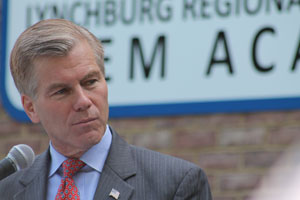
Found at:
<point>91,74</point>
<point>55,86</point>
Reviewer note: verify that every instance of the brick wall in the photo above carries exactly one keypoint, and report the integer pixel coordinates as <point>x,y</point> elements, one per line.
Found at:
<point>235,150</point>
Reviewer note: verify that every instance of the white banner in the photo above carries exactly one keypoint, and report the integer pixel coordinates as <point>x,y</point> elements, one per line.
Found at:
<point>180,56</point>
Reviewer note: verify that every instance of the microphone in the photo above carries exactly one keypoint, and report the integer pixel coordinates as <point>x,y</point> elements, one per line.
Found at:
<point>19,157</point>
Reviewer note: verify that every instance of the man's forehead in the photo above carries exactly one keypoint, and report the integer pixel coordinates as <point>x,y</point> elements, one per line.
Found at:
<point>86,74</point>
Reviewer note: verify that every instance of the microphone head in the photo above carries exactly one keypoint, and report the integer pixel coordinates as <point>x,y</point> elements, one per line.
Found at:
<point>22,155</point>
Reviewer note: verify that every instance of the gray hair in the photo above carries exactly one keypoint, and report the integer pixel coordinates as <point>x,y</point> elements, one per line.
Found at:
<point>52,37</point>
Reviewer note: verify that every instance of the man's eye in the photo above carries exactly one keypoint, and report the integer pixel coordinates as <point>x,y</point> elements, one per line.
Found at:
<point>61,91</point>
<point>91,82</point>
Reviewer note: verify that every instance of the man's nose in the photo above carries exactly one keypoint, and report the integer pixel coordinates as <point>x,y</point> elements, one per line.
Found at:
<point>82,100</point>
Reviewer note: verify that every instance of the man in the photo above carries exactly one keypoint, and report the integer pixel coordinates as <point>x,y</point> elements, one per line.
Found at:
<point>58,69</point>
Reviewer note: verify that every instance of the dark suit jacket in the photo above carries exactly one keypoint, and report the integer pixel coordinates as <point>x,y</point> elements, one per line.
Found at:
<point>135,172</point>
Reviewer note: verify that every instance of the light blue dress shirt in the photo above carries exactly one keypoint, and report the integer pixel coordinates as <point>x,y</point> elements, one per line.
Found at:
<point>87,178</point>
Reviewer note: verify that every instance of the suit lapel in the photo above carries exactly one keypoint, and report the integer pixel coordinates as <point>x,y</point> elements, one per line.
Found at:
<point>34,179</point>
<point>119,167</point>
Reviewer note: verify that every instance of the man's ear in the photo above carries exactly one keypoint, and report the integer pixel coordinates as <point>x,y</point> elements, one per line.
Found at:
<point>29,108</point>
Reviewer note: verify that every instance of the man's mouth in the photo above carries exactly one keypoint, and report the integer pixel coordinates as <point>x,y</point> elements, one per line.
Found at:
<point>84,121</point>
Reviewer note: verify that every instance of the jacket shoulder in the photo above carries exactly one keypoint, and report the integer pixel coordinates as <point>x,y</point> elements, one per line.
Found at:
<point>169,177</point>
<point>161,161</point>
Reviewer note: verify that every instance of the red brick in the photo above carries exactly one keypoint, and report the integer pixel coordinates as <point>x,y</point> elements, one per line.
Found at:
<point>194,139</point>
<point>261,159</point>
<point>219,161</point>
<point>238,182</point>
<point>34,129</point>
<point>10,129</point>
<point>136,125</point>
<point>153,140</point>
<point>226,120</point>
<point>292,116</point>
<point>242,136</point>
<point>284,135</point>
<point>266,118</point>
<point>4,115</point>
<point>212,180</point>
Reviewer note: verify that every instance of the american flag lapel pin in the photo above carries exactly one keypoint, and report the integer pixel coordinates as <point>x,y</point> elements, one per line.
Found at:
<point>114,193</point>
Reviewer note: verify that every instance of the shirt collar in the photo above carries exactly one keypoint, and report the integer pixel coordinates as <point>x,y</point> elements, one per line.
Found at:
<point>94,158</point>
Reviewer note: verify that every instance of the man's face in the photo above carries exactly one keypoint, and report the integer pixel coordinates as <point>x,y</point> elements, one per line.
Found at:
<point>71,101</point>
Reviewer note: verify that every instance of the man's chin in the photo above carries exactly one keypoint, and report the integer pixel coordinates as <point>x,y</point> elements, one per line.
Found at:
<point>91,138</point>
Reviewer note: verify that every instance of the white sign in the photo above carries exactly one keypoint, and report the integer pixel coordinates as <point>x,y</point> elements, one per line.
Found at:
<point>178,56</point>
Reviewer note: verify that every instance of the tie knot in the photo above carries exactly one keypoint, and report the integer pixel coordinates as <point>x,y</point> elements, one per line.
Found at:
<point>71,167</point>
